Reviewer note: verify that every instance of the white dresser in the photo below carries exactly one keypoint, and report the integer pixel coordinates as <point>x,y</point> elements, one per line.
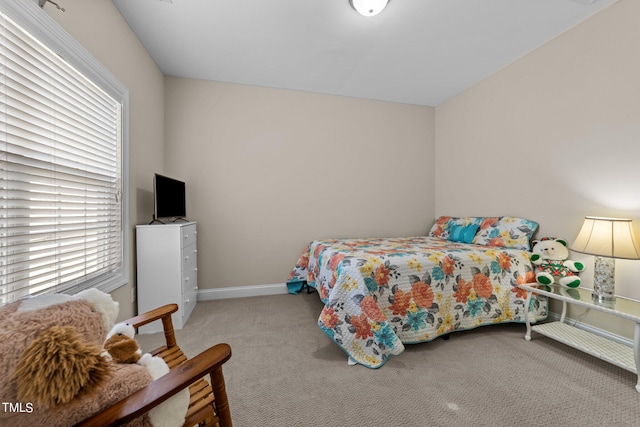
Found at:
<point>167,266</point>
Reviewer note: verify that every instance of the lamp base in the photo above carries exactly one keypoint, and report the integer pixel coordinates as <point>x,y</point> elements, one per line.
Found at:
<point>603,284</point>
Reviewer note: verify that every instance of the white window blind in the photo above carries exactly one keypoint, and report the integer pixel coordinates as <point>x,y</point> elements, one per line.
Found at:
<point>61,210</point>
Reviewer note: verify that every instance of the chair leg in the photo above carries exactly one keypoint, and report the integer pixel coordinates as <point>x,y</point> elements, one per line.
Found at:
<point>220,393</point>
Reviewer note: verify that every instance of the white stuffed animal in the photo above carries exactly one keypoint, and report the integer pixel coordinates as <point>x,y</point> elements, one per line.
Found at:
<point>170,413</point>
<point>122,347</point>
<point>552,266</point>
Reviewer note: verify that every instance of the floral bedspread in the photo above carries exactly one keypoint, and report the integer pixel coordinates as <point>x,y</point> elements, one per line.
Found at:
<point>379,294</point>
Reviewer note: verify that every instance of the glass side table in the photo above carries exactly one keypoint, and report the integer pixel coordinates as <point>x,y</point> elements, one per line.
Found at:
<point>601,347</point>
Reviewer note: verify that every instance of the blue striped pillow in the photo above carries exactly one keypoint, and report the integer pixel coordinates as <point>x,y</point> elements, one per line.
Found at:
<point>462,233</point>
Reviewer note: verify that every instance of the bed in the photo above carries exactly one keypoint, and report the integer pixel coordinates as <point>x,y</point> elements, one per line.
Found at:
<point>382,293</point>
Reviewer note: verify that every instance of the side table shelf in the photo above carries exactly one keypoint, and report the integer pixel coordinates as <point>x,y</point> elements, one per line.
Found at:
<point>601,347</point>
<point>595,345</point>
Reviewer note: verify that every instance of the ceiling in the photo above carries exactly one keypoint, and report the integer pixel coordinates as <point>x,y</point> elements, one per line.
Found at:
<point>415,51</point>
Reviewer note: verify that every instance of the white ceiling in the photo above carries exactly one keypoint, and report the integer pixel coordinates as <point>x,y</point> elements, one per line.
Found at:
<point>416,51</point>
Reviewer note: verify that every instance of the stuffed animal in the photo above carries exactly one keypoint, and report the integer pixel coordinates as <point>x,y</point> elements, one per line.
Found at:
<point>120,345</point>
<point>552,266</point>
<point>170,413</point>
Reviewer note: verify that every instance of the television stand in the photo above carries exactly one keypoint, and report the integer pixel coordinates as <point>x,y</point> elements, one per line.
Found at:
<point>154,220</point>
<point>173,220</point>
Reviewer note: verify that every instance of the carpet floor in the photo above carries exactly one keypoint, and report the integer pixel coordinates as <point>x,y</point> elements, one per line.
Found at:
<point>285,372</point>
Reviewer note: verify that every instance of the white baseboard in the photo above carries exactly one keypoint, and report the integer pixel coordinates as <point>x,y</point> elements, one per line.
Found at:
<point>597,331</point>
<point>242,291</point>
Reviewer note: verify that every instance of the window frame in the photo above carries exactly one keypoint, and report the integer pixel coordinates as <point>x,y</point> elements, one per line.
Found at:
<point>41,26</point>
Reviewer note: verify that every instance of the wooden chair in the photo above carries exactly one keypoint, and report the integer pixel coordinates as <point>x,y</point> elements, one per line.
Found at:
<point>208,405</point>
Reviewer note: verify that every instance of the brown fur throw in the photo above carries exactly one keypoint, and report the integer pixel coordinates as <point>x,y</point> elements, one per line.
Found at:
<point>58,366</point>
<point>50,348</point>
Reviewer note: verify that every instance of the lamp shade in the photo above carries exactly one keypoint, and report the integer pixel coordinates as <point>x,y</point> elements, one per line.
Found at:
<point>607,237</point>
<point>369,7</point>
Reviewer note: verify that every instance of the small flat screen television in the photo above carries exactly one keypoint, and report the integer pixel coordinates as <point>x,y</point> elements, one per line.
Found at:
<point>169,198</point>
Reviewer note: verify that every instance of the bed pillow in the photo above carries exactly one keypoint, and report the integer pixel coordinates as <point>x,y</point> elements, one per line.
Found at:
<point>507,232</point>
<point>486,231</point>
<point>462,233</point>
<point>442,226</point>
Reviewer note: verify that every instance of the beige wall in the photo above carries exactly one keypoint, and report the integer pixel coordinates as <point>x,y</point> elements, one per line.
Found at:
<point>553,137</point>
<point>100,28</point>
<point>269,170</point>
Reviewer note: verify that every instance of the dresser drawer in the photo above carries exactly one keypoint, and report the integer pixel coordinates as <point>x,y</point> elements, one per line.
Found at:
<point>188,303</point>
<point>189,256</point>
<point>190,279</point>
<point>189,233</point>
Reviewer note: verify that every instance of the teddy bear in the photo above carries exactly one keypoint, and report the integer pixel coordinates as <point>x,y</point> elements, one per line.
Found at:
<point>120,345</point>
<point>552,266</point>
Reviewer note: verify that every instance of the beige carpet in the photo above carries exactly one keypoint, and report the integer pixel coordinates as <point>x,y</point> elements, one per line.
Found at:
<point>286,372</point>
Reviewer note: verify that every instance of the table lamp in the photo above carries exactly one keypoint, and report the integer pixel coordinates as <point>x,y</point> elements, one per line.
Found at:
<point>607,239</point>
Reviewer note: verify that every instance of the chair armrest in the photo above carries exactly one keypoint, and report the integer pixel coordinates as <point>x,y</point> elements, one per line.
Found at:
<point>209,362</point>
<point>153,315</point>
<point>161,313</point>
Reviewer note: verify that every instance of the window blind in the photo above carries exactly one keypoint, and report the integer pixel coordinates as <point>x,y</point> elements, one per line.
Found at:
<point>61,226</point>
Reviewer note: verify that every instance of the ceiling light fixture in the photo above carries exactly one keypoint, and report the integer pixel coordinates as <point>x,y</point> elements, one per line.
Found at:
<point>368,7</point>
